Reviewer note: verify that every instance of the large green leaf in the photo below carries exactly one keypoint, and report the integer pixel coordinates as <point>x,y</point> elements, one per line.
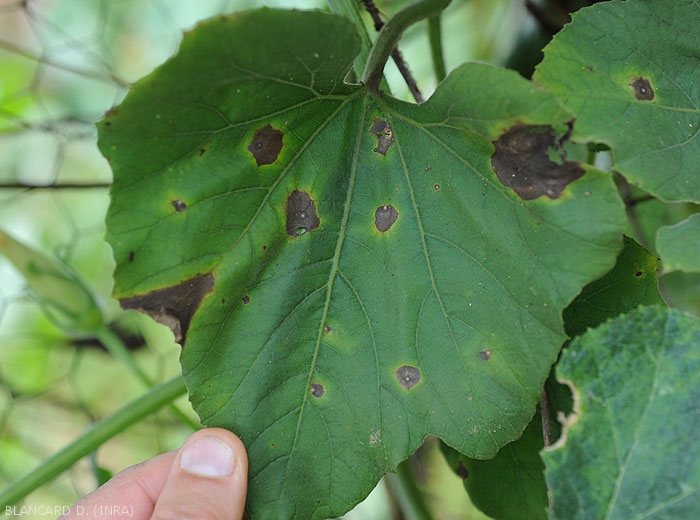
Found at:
<point>347,272</point>
<point>631,449</point>
<point>628,70</point>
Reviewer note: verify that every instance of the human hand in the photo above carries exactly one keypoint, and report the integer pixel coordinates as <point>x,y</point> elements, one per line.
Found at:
<point>206,479</point>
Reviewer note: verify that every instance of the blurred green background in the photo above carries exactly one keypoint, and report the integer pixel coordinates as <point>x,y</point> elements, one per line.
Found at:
<point>63,64</point>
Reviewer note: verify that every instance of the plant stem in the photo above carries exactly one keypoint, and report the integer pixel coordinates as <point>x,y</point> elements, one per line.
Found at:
<point>390,35</point>
<point>544,413</point>
<point>408,497</point>
<point>92,438</point>
<point>116,347</point>
<point>435,35</point>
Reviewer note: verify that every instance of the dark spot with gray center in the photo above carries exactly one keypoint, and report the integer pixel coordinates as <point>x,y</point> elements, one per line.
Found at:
<point>408,376</point>
<point>384,217</point>
<point>179,206</point>
<point>485,354</point>
<point>643,90</point>
<point>301,214</point>
<point>245,300</point>
<point>639,273</point>
<point>523,162</point>
<point>317,390</point>
<point>173,306</point>
<point>327,329</point>
<point>382,131</point>
<point>266,145</point>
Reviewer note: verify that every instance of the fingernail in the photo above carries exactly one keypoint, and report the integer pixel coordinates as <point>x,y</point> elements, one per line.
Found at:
<point>207,457</point>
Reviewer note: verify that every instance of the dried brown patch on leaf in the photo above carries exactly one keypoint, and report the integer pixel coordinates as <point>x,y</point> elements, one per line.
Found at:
<point>173,306</point>
<point>384,217</point>
<point>317,390</point>
<point>382,131</point>
<point>301,214</point>
<point>485,354</point>
<point>642,88</point>
<point>523,161</point>
<point>408,376</point>
<point>266,145</point>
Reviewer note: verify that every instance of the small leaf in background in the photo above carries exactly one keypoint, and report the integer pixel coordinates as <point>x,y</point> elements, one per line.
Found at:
<point>66,299</point>
<point>628,71</point>
<point>632,282</point>
<point>510,486</point>
<point>346,272</point>
<point>632,446</point>
<point>679,245</point>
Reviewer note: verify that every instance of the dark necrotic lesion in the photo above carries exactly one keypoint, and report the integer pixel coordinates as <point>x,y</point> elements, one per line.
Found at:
<point>408,376</point>
<point>642,88</point>
<point>384,217</point>
<point>523,162</point>
<point>301,213</point>
<point>266,145</point>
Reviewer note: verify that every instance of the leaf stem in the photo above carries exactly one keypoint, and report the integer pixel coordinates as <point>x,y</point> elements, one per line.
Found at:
<point>409,498</point>
<point>92,438</point>
<point>435,35</point>
<point>544,413</point>
<point>390,35</point>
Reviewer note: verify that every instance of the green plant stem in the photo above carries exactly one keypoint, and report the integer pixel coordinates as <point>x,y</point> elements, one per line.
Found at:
<point>116,347</point>
<point>390,35</point>
<point>409,498</point>
<point>435,35</point>
<point>91,439</point>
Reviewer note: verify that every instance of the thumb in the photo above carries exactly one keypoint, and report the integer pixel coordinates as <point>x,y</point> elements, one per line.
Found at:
<point>208,479</point>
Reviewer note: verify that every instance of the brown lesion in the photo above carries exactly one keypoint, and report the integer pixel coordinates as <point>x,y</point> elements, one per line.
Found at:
<point>385,138</point>
<point>523,161</point>
<point>266,145</point>
<point>384,217</point>
<point>408,376</point>
<point>301,214</point>
<point>318,390</point>
<point>642,88</point>
<point>173,306</point>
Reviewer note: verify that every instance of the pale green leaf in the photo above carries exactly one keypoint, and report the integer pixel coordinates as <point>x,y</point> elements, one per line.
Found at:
<point>631,448</point>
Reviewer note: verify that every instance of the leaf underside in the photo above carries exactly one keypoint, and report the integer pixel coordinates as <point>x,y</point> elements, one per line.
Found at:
<point>347,272</point>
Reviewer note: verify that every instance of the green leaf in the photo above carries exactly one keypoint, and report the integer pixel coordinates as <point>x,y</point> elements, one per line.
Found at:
<point>679,245</point>
<point>512,484</point>
<point>632,282</point>
<point>628,72</point>
<point>346,271</point>
<point>631,449</point>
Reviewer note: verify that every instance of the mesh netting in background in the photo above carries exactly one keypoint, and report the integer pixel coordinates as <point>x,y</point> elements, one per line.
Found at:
<point>63,63</point>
